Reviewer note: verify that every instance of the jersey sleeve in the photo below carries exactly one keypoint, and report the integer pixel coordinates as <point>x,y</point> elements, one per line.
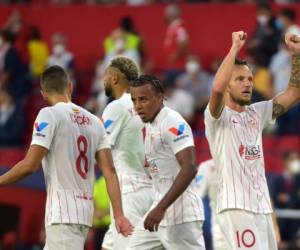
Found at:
<point>103,139</point>
<point>113,119</point>
<point>178,134</point>
<point>212,124</point>
<point>265,111</point>
<point>44,128</point>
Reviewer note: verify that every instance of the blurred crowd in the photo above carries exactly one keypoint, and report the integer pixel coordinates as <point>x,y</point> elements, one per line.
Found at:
<point>24,55</point>
<point>138,2</point>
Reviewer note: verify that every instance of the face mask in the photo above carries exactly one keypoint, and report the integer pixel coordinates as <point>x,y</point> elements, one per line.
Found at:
<point>262,19</point>
<point>192,67</point>
<point>294,166</point>
<point>119,44</point>
<point>279,24</point>
<point>58,49</point>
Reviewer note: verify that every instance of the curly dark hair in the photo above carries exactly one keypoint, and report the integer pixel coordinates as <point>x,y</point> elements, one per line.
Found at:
<point>149,79</point>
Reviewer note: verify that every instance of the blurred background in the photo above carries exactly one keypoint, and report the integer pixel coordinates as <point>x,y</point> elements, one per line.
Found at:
<point>183,42</point>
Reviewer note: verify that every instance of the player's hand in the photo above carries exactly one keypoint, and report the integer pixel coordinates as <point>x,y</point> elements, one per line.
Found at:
<point>292,42</point>
<point>238,39</point>
<point>153,219</point>
<point>123,226</point>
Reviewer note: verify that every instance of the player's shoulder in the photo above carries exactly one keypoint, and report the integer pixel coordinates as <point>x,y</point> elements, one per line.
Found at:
<point>173,116</point>
<point>260,105</point>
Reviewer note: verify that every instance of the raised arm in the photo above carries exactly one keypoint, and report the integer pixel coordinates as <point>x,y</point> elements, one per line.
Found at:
<point>223,75</point>
<point>285,100</point>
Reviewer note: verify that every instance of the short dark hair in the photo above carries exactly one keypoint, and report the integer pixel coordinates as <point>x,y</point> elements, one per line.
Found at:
<point>240,62</point>
<point>126,66</point>
<point>289,14</point>
<point>149,79</point>
<point>54,80</point>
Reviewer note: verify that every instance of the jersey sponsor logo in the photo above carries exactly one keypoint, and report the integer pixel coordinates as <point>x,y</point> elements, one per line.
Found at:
<point>107,123</point>
<point>80,119</point>
<point>178,132</point>
<point>39,127</point>
<point>250,152</point>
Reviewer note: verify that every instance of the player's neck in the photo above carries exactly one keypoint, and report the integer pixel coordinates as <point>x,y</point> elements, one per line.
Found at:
<point>54,99</point>
<point>234,105</point>
<point>119,92</point>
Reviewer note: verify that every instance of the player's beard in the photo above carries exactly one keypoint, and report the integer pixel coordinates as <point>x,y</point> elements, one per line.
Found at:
<point>240,101</point>
<point>108,91</point>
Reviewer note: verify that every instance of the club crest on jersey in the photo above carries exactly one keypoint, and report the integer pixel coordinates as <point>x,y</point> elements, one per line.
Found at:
<point>250,152</point>
<point>39,127</point>
<point>107,123</point>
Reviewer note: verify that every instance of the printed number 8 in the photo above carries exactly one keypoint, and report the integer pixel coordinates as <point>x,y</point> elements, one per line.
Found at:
<point>82,157</point>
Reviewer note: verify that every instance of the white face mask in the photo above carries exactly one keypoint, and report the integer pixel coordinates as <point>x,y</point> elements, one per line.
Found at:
<point>58,49</point>
<point>262,19</point>
<point>119,44</point>
<point>294,166</point>
<point>192,67</point>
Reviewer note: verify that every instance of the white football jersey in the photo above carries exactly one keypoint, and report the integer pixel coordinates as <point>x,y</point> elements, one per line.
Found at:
<point>235,141</point>
<point>73,136</point>
<point>165,137</point>
<point>206,182</point>
<point>125,132</point>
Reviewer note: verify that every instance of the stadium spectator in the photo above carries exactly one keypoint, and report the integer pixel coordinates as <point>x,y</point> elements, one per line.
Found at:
<point>266,35</point>
<point>13,73</point>
<point>38,53</point>
<point>233,129</point>
<point>69,205</point>
<point>12,122</point>
<point>262,78</point>
<point>61,55</point>
<point>287,193</point>
<point>196,81</point>
<point>175,43</point>
<point>121,43</point>
<point>176,97</point>
<point>286,21</point>
<point>175,218</point>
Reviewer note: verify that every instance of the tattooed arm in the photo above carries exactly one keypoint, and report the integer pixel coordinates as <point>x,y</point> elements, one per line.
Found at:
<point>291,95</point>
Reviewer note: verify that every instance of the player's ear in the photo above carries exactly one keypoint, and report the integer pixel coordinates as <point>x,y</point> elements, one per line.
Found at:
<point>70,89</point>
<point>44,95</point>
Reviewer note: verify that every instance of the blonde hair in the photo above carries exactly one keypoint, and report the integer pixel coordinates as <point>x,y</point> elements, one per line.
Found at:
<point>126,66</point>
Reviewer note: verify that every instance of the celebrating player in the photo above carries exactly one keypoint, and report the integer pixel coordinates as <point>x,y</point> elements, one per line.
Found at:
<point>234,131</point>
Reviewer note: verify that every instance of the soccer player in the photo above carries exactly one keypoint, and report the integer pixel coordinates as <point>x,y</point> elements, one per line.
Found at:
<point>67,140</point>
<point>125,134</point>
<point>176,215</point>
<point>206,182</point>
<point>234,132</point>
